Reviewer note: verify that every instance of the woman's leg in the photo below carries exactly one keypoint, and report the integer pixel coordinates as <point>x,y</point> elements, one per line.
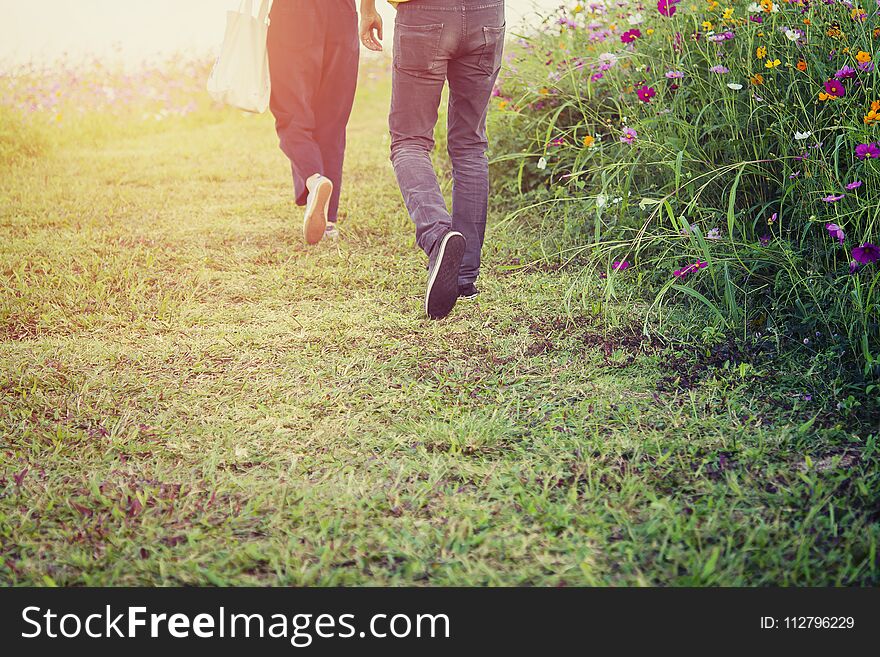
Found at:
<point>296,53</point>
<point>335,95</point>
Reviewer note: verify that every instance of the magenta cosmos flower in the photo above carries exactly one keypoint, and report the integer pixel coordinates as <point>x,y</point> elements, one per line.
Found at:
<point>855,184</point>
<point>871,150</point>
<point>646,93</point>
<point>845,73</point>
<point>866,253</point>
<point>667,7</point>
<point>836,231</point>
<point>631,35</point>
<point>833,198</point>
<point>690,269</point>
<point>629,136</point>
<point>620,265</point>
<point>835,88</point>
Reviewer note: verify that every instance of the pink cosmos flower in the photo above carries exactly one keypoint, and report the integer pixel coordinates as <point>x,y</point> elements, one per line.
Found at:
<point>833,198</point>
<point>631,35</point>
<point>674,75</point>
<point>667,7</point>
<point>866,253</point>
<point>646,93</point>
<point>845,73</point>
<point>718,68</point>
<point>835,88</point>
<point>690,269</point>
<point>595,77</point>
<point>629,136</point>
<point>836,231</point>
<point>855,184</point>
<point>871,150</point>
<point>764,240</point>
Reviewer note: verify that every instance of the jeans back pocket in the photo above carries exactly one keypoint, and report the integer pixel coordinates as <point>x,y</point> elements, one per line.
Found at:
<point>416,47</point>
<point>493,49</point>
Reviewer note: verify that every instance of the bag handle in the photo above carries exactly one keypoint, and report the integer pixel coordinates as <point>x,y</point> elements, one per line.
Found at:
<point>247,7</point>
<point>265,7</point>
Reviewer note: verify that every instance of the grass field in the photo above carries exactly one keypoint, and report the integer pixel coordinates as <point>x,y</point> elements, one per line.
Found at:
<point>189,395</point>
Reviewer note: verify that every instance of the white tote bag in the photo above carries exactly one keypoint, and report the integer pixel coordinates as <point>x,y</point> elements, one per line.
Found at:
<point>241,74</point>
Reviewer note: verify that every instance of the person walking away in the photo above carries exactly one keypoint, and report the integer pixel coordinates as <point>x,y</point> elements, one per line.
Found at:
<point>313,65</point>
<point>435,41</point>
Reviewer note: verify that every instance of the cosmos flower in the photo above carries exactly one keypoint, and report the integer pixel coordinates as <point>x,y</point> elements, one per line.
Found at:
<point>667,7</point>
<point>846,72</point>
<point>620,265</point>
<point>720,69</point>
<point>646,93</point>
<point>674,75</point>
<point>836,232</point>
<point>833,198</point>
<point>835,88</point>
<point>734,85</point>
<point>871,150</point>
<point>866,253</point>
<point>631,35</point>
<point>855,184</point>
<point>629,136</point>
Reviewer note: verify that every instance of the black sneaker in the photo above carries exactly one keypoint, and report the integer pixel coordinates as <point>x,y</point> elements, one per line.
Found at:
<point>468,292</point>
<point>445,262</point>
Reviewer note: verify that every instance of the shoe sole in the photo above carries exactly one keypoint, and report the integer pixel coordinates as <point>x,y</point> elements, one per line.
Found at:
<point>469,297</point>
<point>315,222</point>
<point>442,291</point>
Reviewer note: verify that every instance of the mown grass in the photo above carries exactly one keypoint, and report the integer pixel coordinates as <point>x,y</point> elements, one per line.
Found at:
<point>191,396</point>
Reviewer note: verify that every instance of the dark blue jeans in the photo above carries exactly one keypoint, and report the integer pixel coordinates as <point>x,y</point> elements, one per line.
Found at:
<point>461,41</point>
<point>313,63</point>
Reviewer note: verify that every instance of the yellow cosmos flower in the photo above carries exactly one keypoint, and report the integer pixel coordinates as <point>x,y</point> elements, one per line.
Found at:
<point>543,91</point>
<point>761,52</point>
<point>728,14</point>
<point>863,57</point>
<point>503,104</point>
<point>589,141</point>
<point>772,64</point>
<point>767,5</point>
<point>757,79</point>
<point>707,25</point>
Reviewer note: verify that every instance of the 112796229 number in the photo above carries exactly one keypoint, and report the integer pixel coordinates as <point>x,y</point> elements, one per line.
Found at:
<point>818,622</point>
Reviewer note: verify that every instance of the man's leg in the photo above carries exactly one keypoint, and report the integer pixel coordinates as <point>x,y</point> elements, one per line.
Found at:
<point>471,80</point>
<point>424,38</point>
<point>335,96</point>
<point>296,47</point>
<point>417,84</point>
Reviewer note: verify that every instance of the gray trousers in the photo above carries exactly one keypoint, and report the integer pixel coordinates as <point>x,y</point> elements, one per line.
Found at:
<point>461,41</point>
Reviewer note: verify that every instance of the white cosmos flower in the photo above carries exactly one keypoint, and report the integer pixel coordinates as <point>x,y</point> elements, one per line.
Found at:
<point>636,19</point>
<point>601,201</point>
<point>754,7</point>
<point>800,136</point>
<point>792,35</point>
<point>734,86</point>
<point>542,163</point>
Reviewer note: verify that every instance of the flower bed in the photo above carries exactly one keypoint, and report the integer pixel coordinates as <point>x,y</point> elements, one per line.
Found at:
<point>728,152</point>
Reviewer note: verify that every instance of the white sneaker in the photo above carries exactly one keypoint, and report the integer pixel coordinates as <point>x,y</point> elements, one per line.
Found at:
<point>315,221</point>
